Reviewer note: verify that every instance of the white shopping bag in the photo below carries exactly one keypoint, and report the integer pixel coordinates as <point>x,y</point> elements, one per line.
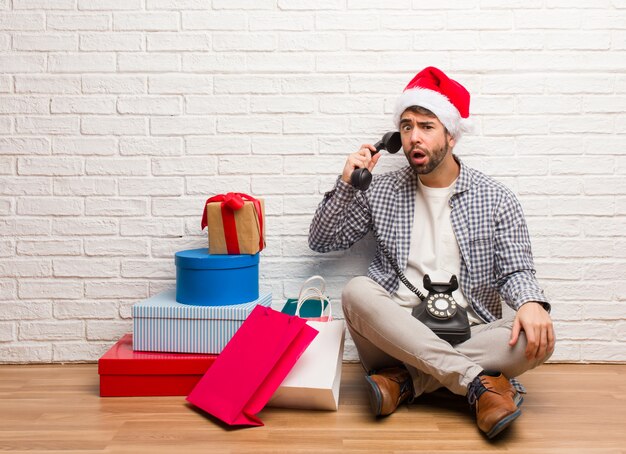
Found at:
<point>313,382</point>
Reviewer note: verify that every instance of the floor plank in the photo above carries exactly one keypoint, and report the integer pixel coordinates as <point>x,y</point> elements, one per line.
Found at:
<point>56,408</point>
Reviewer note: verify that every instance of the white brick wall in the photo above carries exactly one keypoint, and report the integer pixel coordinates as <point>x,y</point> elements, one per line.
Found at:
<point>119,118</point>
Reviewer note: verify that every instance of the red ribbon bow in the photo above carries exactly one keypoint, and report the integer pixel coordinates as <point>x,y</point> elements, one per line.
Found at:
<point>230,203</point>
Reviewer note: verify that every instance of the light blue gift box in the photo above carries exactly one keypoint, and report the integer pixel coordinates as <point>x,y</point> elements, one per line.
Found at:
<point>160,324</point>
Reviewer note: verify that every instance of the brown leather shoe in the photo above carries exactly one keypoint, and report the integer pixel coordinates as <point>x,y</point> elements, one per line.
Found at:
<point>494,401</point>
<point>388,388</point>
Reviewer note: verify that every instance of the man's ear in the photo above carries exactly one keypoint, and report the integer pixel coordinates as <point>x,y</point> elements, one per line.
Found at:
<point>451,140</point>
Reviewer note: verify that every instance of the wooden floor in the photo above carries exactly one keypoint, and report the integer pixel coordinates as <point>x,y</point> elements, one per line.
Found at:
<point>56,408</point>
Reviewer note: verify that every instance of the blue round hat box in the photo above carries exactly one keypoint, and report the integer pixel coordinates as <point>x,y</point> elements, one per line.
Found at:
<point>203,279</point>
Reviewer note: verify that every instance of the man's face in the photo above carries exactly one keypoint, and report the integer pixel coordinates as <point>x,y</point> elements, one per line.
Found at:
<point>425,141</point>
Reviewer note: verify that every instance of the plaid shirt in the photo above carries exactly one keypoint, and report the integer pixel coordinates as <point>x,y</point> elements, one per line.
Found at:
<point>487,219</point>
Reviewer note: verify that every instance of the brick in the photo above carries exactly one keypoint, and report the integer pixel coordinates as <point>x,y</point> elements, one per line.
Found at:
<point>18,186</point>
<point>161,186</point>
<point>161,227</point>
<point>406,22</point>
<point>250,165</point>
<point>6,82</point>
<point>78,22</point>
<point>312,125</point>
<point>88,146</point>
<point>48,42</point>
<point>151,146</point>
<point>47,84</point>
<point>179,126</point>
<point>6,125</point>
<point>604,104</point>
<point>7,248</point>
<point>87,62</point>
<point>45,206</point>
<point>184,166</point>
<point>57,330</point>
<point>303,5</point>
<point>119,166</point>
<point>50,288</point>
<point>282,104</point>
<point>602,227</point>
<point>549,104</point>
<point>567,166</point>
<point>26,353</point>
<point>7,331</point>
<point>514,125</point>
<point>116,289</point>
<point>84,186</point>
<point>558,270</point>
<point>346,21</point>
<point>22,22</point>
<point>215,185</point>
<point>510,41</point>
<point>24,105</point>
<point>246,84</point>
<point>486,20</point>
<point>111,42</point>
<point>208,63</point>
<point>582,248</point>
<point>25,227</point>
<point>110,5</point>
<point>24,145</point>
<point>280,185</point>
<point>48,125</point>
<point>152,105</point>
<point>281,22</point>
<point>284,62</point>
<point>314,84</point>
<point>582,124</point>
<point>149,269</point>
<point>313,165</point>
<point>557,186</point>
<point>86,267</point>
<point>84,309</point>
<point>178,207</point>
<point>253,123</point>
<point>321,42</point>
<point>114,84</point>
<point>149,22</point>
<point>49,247</point>
<point>161,62</point>
<point>82,105</point>
<point>291,145</point>
<point>16,63</point>
<point>78,351</point>
<point>8,289</point>
<point>492,105</point>
<point>542,19</point>
<point>214,20</point>
<point>84,226</point>
<point>108,330</point>
<point>220,145</point>
<point>603,351</point>
<point>26,268</point>
<point>244,42</point>
<point>100,206</point>
<point>116,247</point>
<point>6,207</point>
<point>105,125</point>
<point>25,310</point>
<point>43,4</point>
<point>243,4</point>
<point>443,40</point>
<point>216,105</point>
<point>176,84</point>
<point>350,105</point>
<point>178,42</point>
<point>578,40</point>
<point>347,62</point>
<point>176,4</point>
<point>553,227</point>
<point>56,166</point>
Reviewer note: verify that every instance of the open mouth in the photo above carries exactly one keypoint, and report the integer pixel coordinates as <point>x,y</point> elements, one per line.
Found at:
<point>418,157</point>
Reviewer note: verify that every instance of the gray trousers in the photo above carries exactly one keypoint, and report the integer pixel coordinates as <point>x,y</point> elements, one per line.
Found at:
<point>387,335</point>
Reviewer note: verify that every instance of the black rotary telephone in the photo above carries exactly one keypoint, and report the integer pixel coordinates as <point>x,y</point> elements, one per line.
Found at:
<point>438,311</point>
<point>441,313</point>
<point>391,141</point>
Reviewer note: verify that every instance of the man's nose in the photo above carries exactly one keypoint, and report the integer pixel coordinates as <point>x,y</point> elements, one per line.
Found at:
<point>416,136</point>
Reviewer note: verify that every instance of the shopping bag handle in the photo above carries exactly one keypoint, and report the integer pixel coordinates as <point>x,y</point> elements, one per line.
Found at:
<point>314,293</point>
<point>307,285</point>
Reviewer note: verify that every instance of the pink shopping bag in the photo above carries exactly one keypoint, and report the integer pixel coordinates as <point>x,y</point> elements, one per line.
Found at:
<point>252,366</point>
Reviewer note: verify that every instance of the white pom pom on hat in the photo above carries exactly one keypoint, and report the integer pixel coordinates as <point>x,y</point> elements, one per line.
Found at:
<point>444,97</point>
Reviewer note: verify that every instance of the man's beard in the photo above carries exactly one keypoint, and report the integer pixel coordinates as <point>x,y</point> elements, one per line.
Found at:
<point>435,158</point>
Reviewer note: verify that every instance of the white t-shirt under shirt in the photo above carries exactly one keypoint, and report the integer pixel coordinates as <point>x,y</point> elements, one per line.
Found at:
<point>434,249</point>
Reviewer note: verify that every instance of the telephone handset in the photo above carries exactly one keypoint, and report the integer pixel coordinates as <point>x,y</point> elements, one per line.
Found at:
<point>391,141</point>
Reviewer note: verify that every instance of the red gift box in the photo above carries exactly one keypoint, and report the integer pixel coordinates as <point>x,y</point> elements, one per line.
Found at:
<point>124,372</point>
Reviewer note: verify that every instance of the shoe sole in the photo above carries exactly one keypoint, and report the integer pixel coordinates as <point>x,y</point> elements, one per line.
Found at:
<point>503,424</point>
<point>376,399</point>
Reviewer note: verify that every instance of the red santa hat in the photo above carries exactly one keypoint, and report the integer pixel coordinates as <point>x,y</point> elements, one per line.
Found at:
<point>444,97</point>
